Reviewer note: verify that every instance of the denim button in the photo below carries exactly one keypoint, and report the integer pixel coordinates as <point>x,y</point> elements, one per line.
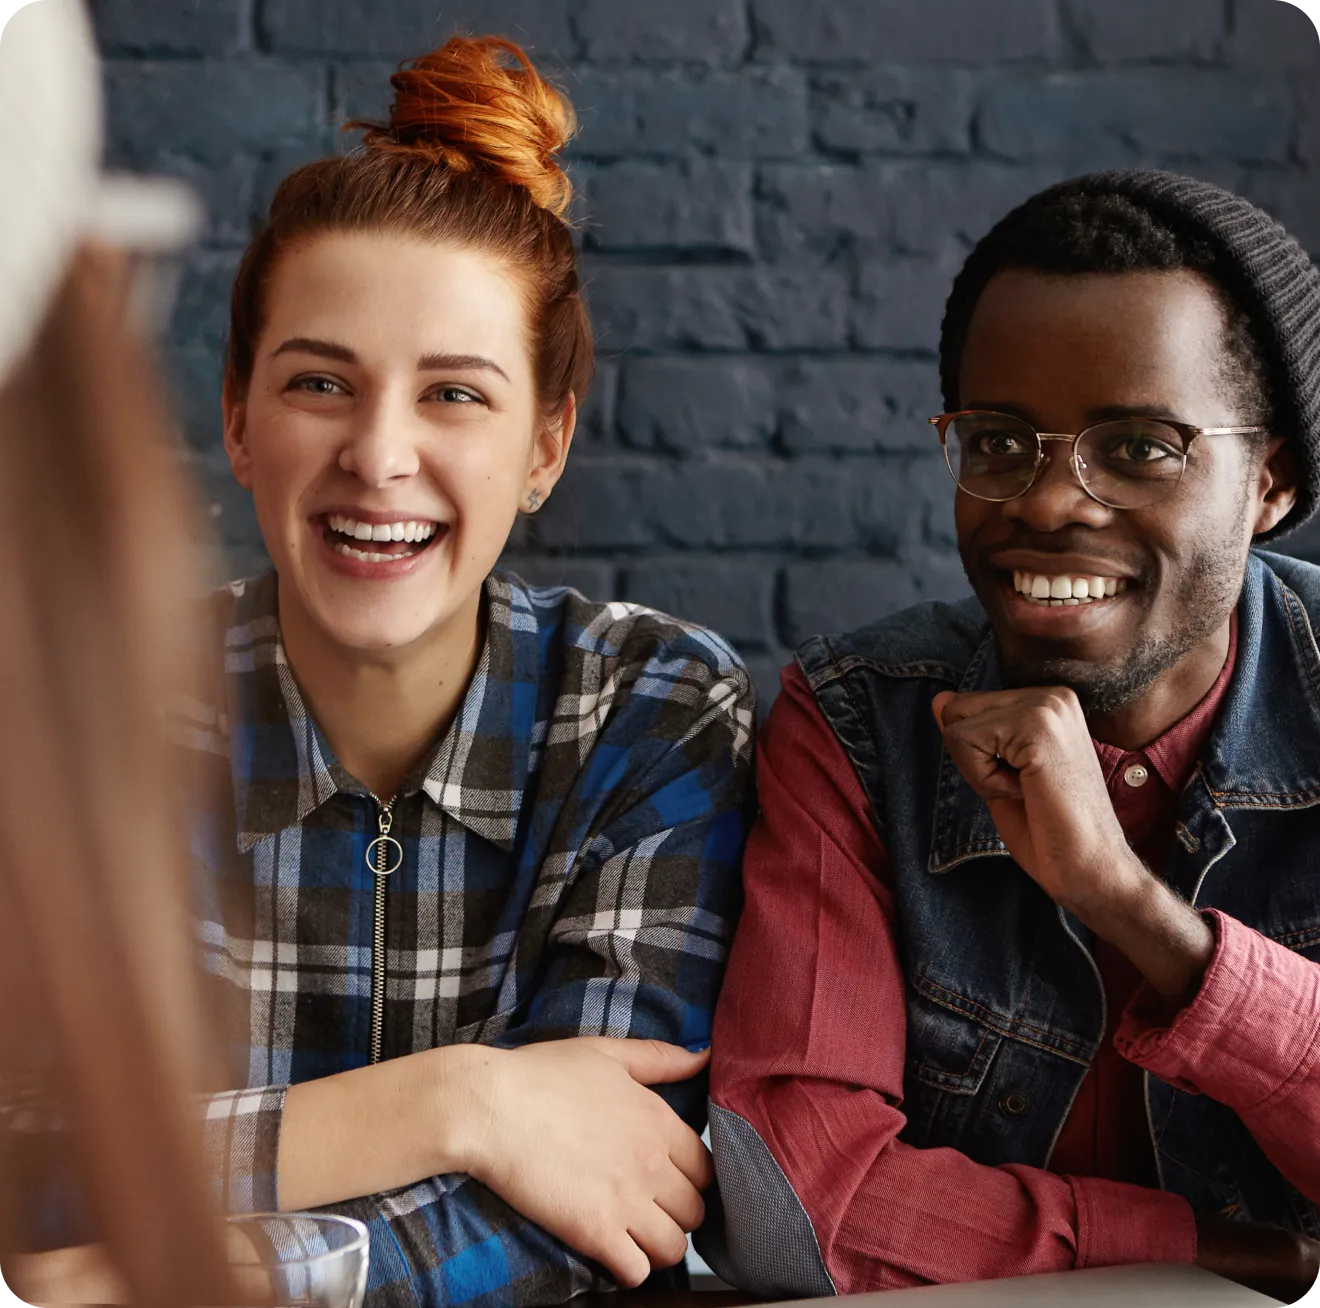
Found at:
<point>1016,1103</point>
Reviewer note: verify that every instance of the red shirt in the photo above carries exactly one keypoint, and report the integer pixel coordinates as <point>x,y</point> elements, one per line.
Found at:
<point>818,1072</point>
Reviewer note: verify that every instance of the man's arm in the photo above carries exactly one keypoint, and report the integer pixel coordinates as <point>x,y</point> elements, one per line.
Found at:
<point>1028,754</point>
<point>807,1077</point>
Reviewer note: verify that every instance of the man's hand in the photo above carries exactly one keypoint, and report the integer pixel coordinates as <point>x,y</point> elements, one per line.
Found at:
<point>1028,754</point>
<point>567,1133</point>
<point>1262,1258</point>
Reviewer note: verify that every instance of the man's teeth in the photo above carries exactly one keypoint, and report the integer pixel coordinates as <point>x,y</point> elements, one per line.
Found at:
<point>381,531</point>
<point>1070,591</point>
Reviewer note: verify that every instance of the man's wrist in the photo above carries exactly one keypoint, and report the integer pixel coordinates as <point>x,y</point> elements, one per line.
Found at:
<point>1164,937</point>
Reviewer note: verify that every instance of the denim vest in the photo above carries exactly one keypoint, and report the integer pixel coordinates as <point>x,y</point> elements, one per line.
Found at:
<point>1005,1007</point>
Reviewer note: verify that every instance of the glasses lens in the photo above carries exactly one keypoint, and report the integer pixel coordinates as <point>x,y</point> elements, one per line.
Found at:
<point>991,455</point>
<point>1131,463</point>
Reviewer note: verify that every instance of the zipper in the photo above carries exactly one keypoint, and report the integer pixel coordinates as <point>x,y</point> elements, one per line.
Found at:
<point>384,855</point>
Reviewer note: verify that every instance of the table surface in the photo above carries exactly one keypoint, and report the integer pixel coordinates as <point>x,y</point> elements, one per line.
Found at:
<point>1151,1285</point>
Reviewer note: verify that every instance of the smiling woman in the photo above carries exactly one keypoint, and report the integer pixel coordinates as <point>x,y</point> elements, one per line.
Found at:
<point>473,826</point>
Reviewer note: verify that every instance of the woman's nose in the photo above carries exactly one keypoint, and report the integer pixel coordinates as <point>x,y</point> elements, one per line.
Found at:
<point>382,443</point>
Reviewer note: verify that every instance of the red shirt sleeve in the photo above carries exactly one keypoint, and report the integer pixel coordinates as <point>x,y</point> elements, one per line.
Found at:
<point>1251,1040</point>
<point>818,1073</point>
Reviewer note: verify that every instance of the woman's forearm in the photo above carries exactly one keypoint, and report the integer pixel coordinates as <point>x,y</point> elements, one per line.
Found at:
<point>376,1128</point>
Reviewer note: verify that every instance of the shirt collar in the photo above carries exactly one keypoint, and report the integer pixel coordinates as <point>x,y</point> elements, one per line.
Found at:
<point>283,768</point>
<point>1173,754</point>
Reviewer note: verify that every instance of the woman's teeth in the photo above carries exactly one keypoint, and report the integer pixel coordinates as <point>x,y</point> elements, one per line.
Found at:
<point>380,531</point>
<point>1061,591</point>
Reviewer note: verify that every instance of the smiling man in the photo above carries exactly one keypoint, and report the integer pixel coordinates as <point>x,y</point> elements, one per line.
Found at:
<point>1037,880</point>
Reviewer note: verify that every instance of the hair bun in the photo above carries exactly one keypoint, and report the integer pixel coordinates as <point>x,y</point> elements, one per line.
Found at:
<point>478,104</point>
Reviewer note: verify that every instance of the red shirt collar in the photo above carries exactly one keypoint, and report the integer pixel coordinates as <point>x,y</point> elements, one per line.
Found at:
<point>1173,755</point>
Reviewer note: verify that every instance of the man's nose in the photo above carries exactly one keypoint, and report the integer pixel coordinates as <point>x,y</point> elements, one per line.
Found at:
<point>1057,498</point>
<point>382,445</point>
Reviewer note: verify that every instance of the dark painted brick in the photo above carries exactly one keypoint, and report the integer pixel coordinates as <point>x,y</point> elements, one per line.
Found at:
<point>231,518</point>
<point>858,406</point>
<point>597,420</point>
<point>706,31</point>
<point>840,596</point>
<point>642,308</point>
<point>1114,31</point>
<point>181,27</point>
<point>693,205</point>
<point>730,504</point>
<point>403,29</point>
<point>938,575</point>
<point>593,578</point>
<point>1273,34</point>
<point>214,110</point>
<point>733,597</point>
<point>825,211</point>
<point>765,670</point>
<point>756,113</point>
<point>901,31</point>
<point>900,304</point>
<point>201,314</point>
<point>362,90</point>
<point>687,406</point>
<point>893,110</point>
<point>194,376</point>
<point>1129,115</point>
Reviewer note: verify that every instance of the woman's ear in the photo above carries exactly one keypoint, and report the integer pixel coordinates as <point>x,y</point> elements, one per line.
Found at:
<point>550,454</point>
<point>1276,486</point>
<point>234,408</point>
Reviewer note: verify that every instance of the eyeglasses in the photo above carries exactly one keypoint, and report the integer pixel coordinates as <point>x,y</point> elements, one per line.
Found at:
<point>1126,463</point>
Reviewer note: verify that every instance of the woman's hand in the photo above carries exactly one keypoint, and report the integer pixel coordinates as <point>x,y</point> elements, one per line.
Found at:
<point>567,1133</point>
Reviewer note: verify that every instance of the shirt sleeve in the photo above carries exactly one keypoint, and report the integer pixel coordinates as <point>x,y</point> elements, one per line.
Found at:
<point>637,949</point>
<point>1249,1039</point>
<point>819,1194</point>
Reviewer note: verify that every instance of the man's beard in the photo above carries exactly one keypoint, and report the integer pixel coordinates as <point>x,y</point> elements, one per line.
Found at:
<point>1207,593</point>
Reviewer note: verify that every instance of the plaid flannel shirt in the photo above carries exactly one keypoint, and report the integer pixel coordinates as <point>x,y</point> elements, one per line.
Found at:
<point>571,853</point>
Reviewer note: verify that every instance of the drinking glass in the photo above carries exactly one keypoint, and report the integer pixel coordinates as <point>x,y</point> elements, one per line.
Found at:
<point>298,1260</point>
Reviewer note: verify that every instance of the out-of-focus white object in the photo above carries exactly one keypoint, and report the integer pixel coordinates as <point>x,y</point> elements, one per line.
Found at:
<point>55,196</point>
<point>1149,1285</point>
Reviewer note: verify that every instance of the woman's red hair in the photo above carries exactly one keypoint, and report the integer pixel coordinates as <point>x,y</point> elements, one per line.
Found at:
<point>468,156</point>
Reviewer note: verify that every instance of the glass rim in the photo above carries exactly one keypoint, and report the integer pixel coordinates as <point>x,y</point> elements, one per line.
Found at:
<point>361,1236</point>
<point>1167,486</point>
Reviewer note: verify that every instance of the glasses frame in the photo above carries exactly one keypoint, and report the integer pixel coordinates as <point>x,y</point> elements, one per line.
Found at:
<point>941,422</point>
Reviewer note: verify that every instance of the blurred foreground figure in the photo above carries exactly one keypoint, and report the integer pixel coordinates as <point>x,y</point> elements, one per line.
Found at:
<point>98,1035</point>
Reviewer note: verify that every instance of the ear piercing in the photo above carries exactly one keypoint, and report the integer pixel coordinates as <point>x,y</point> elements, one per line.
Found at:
<point>533,500</point>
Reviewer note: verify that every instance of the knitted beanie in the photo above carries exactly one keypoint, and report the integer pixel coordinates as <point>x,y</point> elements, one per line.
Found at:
<point>1265,270</point>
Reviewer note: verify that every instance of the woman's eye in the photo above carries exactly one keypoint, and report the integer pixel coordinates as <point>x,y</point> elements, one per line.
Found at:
<point>456,395</point>
<point>316,386</point>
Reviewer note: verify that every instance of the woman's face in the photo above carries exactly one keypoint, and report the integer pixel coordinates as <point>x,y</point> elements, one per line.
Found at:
<point>390,433</point>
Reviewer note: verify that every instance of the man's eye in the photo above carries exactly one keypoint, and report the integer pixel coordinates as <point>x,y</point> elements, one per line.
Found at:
<point>1140,449</point>
<point>1000,444</point>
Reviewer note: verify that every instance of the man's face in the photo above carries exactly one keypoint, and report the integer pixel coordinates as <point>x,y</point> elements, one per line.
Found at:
<point>1065,352</point>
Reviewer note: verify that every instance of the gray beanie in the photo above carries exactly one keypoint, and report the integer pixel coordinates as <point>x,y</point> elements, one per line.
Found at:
<point>1264,269</point>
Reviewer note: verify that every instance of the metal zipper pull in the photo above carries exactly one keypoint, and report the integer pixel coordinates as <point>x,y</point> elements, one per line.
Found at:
<point>384,854</point>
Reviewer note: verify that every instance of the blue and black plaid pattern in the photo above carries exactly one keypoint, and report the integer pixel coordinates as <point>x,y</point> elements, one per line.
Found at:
<point>571,852</point>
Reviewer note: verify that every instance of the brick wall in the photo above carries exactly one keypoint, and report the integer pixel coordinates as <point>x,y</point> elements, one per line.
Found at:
<point>776,194</point>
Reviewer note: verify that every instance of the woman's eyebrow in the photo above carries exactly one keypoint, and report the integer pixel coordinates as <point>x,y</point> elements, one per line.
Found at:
<point>325,349</point>
<point>459,362</point>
